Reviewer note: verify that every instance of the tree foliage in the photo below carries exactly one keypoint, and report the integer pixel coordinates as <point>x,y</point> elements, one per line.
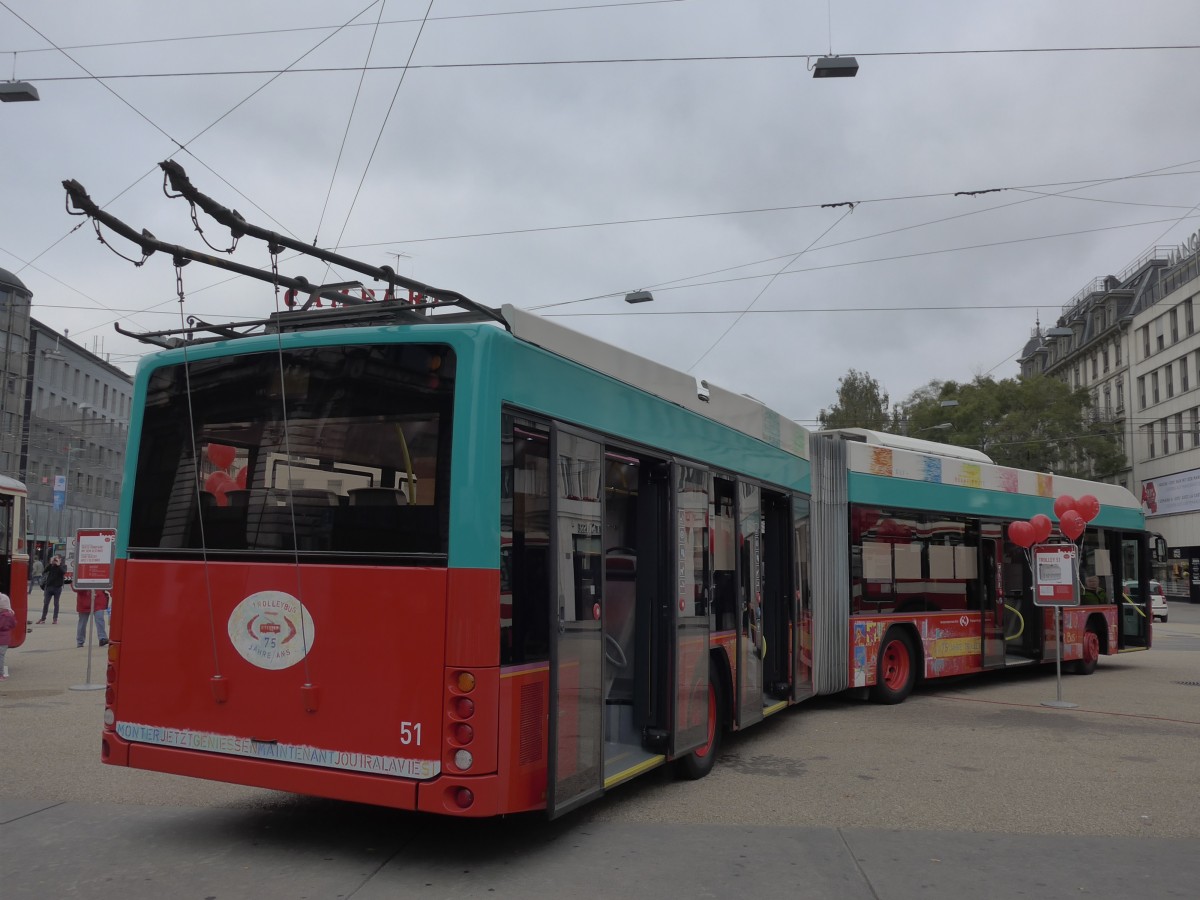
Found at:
<point>1034,423</point>
<point>861,403</point>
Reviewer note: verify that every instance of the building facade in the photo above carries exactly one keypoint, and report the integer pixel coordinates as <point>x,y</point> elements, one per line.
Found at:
<point>77,422</point>
<point>65,417</point>
<point>1133,341</point>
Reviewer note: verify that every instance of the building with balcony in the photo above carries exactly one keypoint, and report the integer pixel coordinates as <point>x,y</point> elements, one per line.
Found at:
<point>1132,340</point>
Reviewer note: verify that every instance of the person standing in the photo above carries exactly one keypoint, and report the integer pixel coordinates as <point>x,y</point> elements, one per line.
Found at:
<point>52,585</point>
<point>35,574</point>
<point>8,622</point>
<point>91,603</point>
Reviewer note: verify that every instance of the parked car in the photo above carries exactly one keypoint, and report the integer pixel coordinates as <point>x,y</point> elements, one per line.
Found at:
<point>1158,599</point>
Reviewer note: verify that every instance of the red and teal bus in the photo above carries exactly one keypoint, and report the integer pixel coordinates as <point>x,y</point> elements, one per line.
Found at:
<point>14,567</point>
<point>478,564</point>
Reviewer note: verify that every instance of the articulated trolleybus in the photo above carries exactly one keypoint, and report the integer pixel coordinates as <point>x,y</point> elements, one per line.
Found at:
<point>473,563</point>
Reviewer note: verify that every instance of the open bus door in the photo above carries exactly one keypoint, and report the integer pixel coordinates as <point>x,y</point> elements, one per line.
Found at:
<point>576,739</point>
<point>991,555</point>
<point>690,611</point>
<point>1134,613</point>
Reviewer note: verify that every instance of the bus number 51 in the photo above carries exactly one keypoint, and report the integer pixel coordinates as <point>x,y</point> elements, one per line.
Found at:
<point>410,733</point>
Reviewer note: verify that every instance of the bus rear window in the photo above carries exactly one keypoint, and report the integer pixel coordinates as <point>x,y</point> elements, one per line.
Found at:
<point>333,453</point>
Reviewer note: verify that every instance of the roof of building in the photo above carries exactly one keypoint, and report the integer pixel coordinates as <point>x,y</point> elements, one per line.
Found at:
<point>9,279</point>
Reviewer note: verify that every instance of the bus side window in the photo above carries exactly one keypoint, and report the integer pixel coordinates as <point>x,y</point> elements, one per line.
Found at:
<point>724,537</point>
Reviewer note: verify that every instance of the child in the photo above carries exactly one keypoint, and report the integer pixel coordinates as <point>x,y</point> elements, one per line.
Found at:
<point>8,621</point>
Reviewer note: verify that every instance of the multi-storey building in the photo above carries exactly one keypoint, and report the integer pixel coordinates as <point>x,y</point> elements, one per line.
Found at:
<point>1133,341</point>
<point>64,413</point>
<point>77,414</point>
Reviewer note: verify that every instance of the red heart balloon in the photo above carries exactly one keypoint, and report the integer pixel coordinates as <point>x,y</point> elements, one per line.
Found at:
<point>1071,524</point>
<point>1020,533</point>
<point>1063,504</point>
<point>1088,507</point>
<point>1042,526</point>
<point>220,455</point>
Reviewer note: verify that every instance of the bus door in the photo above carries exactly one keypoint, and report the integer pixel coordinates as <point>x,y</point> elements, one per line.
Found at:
<point>6,546</point>
<point>802,636</point>
<point>750,602</point>
<point>778,598</point>
<point>576,739</point>
<point>1134,610</point>
<point>991,557</point>
<point>690,609</point>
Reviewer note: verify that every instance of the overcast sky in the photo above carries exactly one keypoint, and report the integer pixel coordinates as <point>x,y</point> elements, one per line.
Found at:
<point>722,162</point>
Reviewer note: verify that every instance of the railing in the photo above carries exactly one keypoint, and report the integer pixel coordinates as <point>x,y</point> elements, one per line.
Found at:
<point>1100,284</point>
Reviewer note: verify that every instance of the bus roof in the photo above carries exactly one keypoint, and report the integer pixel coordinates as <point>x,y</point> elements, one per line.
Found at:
<point>903,442</point>
<point>12,486</point>
<point>738,411</point>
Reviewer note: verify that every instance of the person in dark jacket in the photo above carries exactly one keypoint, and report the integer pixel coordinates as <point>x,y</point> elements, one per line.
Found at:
<point>52,585</point>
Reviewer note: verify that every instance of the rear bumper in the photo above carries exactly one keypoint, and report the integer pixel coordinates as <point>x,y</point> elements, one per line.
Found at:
<point>438,795</point>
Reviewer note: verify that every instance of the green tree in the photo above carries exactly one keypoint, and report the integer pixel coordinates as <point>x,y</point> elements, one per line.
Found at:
<point>1030,423</point>
<point>861,403</point>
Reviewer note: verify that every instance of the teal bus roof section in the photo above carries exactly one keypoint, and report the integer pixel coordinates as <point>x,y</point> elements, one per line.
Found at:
<point>899,493</point>
<point>494,369</point>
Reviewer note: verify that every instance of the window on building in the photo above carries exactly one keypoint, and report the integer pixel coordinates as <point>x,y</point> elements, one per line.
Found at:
<point>1183,374</point>
<point>1165,437</point>
<point>1173,315</point>
<point>1104,355</point>
<point>1142,392</point>
<point>1095,369</point>
<point>1194,425</point>
<point>1120,395</point>
<point>1145,341</point>
<point>1154,387</point>
<point>1160,340</point>
<point>1178,431</point>
<point>1189,324</point>
<point>1169,373</point>
<point>1076,385</point>
<point>1149,429</point>
<point>1117,347</point>
<point>1107,402</point>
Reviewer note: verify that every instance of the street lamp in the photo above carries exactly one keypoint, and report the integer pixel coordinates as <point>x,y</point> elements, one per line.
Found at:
<point>944,426</point>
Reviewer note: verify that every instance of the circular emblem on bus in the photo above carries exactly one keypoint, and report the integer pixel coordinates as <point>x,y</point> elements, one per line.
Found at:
<point>271,629</point>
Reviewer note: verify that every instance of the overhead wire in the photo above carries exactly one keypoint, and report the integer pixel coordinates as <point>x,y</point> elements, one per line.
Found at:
<point>767,286</point>
<point>383,124</point>
<point>263,32</point>
<point>600,61</point>
<point>349,121</point>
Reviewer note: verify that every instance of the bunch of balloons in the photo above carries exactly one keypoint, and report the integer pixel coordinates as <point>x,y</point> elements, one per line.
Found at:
<point>1073,516</point>
<point>217,483</point>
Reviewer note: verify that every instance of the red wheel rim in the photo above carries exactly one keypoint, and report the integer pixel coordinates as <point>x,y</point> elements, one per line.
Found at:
<point>895,665</point>
<point>1091,647</point>
<point>712,721</point>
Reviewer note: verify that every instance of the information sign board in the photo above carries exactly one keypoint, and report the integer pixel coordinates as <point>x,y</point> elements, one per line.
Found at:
<point>95,558</point>
<point>1055,575</point>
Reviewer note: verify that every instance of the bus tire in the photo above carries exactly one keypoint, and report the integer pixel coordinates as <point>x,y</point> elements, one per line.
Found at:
<point>1091,652</point>
<point>700,761</point>
<point>896,670</point>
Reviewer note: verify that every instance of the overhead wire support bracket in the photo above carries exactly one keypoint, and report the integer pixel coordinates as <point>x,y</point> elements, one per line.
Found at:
<point>175,175</point>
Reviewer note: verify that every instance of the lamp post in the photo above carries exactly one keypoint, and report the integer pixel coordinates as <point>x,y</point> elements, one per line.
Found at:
<point>62,510</point>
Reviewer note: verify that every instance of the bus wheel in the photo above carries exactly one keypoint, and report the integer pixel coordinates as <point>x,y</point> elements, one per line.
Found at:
<point>700,761</point>
<point>897,670</point>
<point>1091,652</point>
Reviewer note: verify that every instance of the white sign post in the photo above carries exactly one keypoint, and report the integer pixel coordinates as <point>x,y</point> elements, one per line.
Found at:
<point>95,559</point>
<point>1056,583</point>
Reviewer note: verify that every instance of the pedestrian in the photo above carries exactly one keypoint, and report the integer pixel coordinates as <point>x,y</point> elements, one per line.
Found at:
<point>91,603</point>
<point>35,574</point>
<point>52,585</point>
<point>8,621</point>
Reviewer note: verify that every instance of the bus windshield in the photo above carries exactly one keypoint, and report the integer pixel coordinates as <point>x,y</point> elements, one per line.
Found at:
<point>332,453</point>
